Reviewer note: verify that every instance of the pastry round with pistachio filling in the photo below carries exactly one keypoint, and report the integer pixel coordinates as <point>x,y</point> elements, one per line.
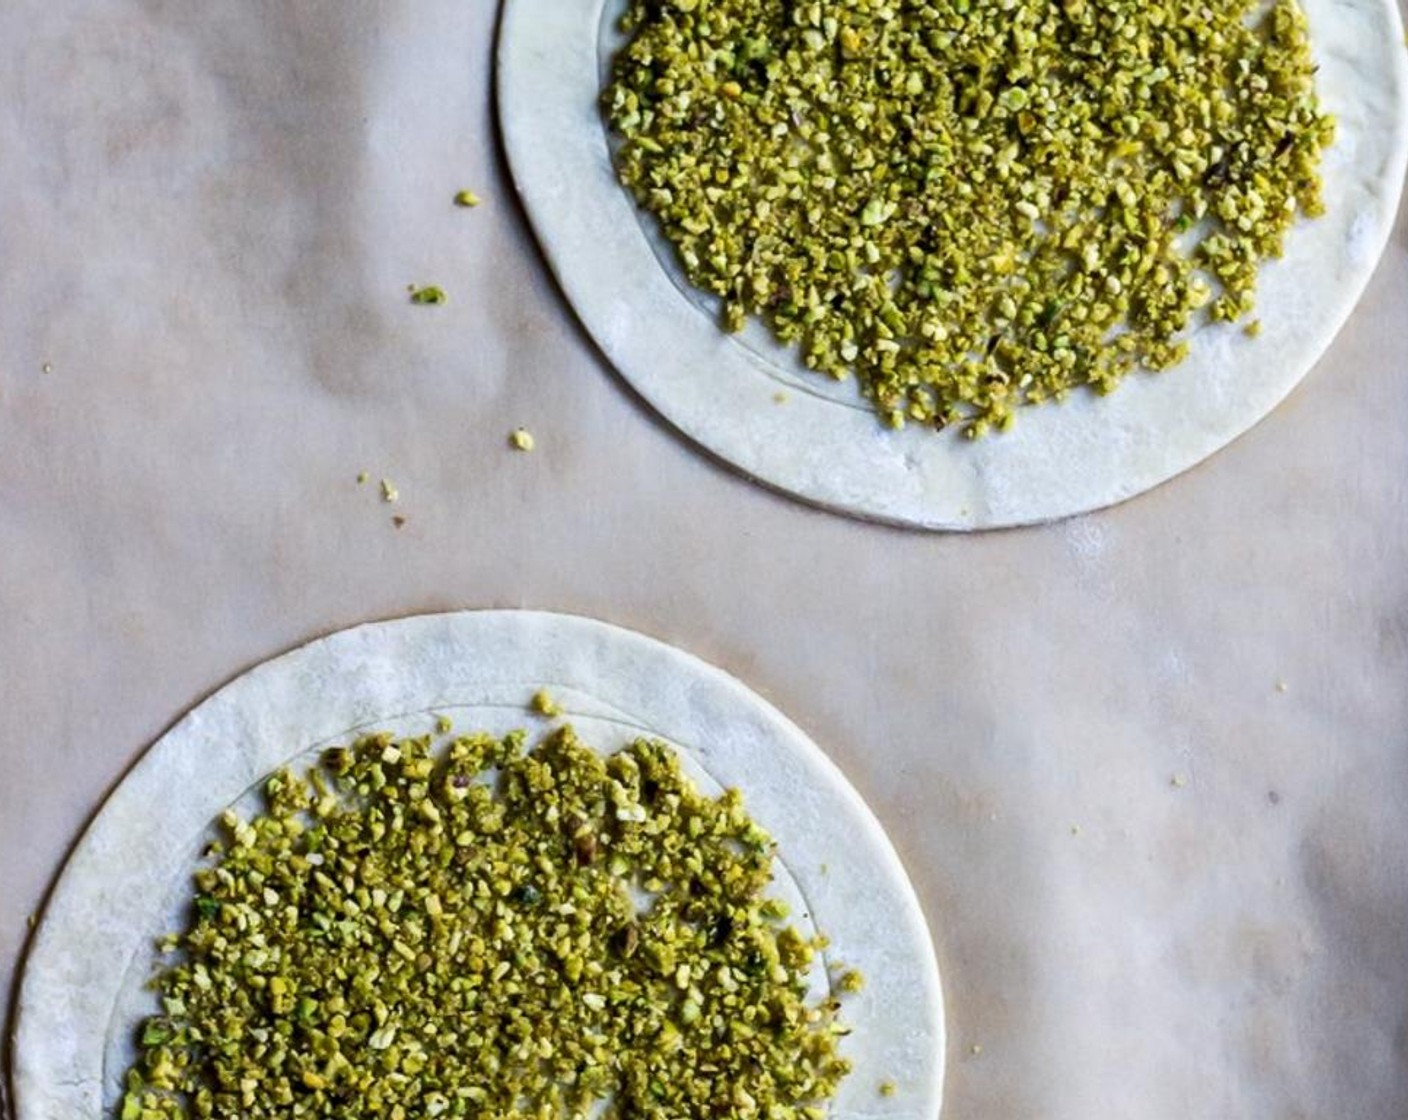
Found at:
<point>406,905</point>
<point>1119,233</point>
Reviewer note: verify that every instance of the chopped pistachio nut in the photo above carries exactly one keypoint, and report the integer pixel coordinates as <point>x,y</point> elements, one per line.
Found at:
<point>544,704</point>
<point>428,294</point>
<point>971,205</point>
<point>887,1088</point>
<point>444,724</point>
<point>389,493</point>
<point>851,981</point>
<point>521,439</point>
<point>467,198</point>
<point>362,477</point>
<point>401,934</point>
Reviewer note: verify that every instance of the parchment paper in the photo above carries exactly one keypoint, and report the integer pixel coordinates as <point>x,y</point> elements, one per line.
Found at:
<point>208,216</point>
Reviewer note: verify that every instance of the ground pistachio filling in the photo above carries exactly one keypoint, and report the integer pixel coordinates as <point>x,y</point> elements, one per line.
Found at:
<point>971,205</point>
<point>494,932</point>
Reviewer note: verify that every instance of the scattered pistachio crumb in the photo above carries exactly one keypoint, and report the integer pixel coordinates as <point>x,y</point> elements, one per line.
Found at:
<point>1252,329</point>
<point>428,294</point>
<point>972,206</point>
<point>404,933</point>
<point>1178,781</point>
<point>544,704</point>
<point>389,493</point>
<point>851,981</point>
<point>362,477</point>
<point>976,1049</point>
<point>779,397</point>
<point>521,439</point>
<point>47,367</point>
<point>467,198</point>
<point>444,724</point>
<point>1075,830</point>
<point>887,1088</point>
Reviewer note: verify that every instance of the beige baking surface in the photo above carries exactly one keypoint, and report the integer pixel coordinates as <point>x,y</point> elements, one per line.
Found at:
<point>206,226</point>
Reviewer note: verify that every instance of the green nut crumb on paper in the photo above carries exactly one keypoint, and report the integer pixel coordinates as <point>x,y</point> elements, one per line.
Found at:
<point>521,439</point>
<point>484,930</point>
<point>467,199</point>
<point>971,205</point>
<point>429,294</point>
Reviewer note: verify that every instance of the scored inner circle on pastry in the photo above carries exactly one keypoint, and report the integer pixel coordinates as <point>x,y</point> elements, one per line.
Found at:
<point>823,443</point>
<point>128,881</point>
